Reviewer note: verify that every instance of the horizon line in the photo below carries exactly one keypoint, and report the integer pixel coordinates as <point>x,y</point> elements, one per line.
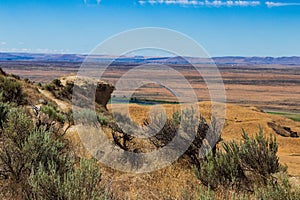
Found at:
<point>154,56</point>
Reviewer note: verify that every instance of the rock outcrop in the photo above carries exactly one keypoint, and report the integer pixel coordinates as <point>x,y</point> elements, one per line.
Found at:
<point>282,130</point>
<point>89,89</point>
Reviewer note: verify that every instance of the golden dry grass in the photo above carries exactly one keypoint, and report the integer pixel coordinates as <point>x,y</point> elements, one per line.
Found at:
<point>238,118</point>
<point>178,178</point>
<point>171,181</point>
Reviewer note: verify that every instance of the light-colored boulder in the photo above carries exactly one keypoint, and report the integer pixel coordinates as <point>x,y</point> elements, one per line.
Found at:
<point>86,87</point>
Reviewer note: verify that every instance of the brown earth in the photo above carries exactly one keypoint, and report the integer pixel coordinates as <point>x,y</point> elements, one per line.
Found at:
<point>273,87</point>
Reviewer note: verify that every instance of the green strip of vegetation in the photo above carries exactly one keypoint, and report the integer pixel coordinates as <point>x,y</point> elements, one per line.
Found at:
<point>292,116</point>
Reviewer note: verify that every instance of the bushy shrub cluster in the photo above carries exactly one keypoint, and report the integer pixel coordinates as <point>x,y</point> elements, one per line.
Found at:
<point>282,190</point>
<point>11,90</point>
<point>252,162</point>
<point>53,113</point>
<point>53,119</point>
<point>4,108</point>
<point>90,117</point>
<point>40,165</point>
<point>78,183</point>
<point>58,90</point>
<point>14,150</point>
<point>191,125</point>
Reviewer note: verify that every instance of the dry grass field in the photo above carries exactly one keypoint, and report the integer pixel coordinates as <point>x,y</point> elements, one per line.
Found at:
<point>178,179</point>
<point>238,118</point>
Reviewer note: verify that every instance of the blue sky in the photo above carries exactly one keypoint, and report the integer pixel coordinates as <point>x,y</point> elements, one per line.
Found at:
<point>224,27</point>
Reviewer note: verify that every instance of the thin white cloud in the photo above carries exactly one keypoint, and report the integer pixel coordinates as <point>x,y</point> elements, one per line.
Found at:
<point>39,50</point>
<point>208,3</point>
<point>2,43</point>
<point>91,2</point>
<point>271,4</point>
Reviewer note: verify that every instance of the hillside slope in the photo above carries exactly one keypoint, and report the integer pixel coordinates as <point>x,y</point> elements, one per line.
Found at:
<point>177,178</point>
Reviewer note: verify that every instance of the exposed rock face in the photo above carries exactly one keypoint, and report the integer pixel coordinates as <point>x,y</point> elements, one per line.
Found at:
<point>283,131</point>
<point>2,72</point>
<point>86,87</point>
<point>103,93</point>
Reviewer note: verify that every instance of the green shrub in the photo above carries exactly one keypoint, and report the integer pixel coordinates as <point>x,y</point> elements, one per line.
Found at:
<point>25,146</point>
<point>34,160</point>
<point>59,90</point>
<point>222,169</point>
<point>90,117</point>
<point>56,121</point>
<point>50,87</point>
<point>258,154</point>
<point>102,120</point>
<point>69,87</point>
<point>176,118</point>
<point>78,182</point>
<point>253,161</point>
<point>188,121</point>
<point>282,190</point>
<point>42,147</point>
<point>86,116</point>
<point>4,108</point>
<point>11,90</point>
<point>203,194</point>
<point>39,84</point>
<point>15,76</point>
<point>13,154</point>
<point>57,82</point>
<point>53,113</point>
<point>165,129</point>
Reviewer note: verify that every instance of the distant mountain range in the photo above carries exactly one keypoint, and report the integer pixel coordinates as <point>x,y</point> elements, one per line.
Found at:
<point>228,60</point>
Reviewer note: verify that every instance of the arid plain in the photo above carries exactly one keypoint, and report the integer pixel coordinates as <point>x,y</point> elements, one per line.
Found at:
<point>251,92</point>
<point>270,87</point>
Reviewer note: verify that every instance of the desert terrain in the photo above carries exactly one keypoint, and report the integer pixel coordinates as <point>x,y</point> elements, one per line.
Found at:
<point>251,92</point>
<point>249,118</point>
<point>270,87</point>
<point>256,96</point>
